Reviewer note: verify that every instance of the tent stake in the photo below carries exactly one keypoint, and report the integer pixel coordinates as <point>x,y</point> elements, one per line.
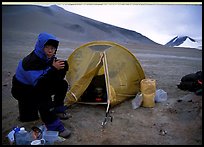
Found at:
<point>107,117</point>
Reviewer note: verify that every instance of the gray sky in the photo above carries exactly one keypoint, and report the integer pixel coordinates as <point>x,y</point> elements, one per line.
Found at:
<point>158,22</point>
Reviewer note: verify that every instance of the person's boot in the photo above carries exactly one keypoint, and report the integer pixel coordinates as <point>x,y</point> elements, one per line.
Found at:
<point>63,116</point>
<point>58,126</point>
<point>66,133</point>
<point>61,112</point>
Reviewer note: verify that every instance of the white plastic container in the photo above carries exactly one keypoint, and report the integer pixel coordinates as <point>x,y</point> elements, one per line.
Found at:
<point>22,137</point>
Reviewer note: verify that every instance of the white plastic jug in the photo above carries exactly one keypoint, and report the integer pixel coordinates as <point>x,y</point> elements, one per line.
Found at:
<point>22,137</point>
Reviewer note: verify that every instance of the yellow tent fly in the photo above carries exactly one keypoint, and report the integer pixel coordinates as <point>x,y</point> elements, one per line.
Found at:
<point>103,64</point>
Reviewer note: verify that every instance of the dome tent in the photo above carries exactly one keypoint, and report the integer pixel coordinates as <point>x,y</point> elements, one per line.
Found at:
<point>121,70</point>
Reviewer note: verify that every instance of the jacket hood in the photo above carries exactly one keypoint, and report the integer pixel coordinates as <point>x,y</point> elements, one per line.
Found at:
<point>43,38</point>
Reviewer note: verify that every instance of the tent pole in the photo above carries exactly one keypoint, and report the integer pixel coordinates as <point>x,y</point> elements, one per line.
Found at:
<point>107,115</point>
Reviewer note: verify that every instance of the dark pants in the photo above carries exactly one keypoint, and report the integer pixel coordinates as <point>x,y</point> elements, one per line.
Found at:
<point>44,91</point>
<point>32,100</point>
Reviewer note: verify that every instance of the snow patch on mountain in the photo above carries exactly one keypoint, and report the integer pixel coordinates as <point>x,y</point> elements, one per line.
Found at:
<point>191,44</point>
<point>185,41</point>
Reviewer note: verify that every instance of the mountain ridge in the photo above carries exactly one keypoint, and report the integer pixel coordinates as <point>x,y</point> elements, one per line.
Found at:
<point>66,24</point>
<point>184,41</point>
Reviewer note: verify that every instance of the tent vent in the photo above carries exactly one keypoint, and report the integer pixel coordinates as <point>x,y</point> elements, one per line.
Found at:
<point>99,47</point>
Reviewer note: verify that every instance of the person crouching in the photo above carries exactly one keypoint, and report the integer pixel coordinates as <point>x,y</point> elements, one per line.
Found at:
<point>39,85</point>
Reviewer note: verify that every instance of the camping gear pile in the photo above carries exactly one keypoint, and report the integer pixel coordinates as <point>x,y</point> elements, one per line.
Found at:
<point>37,136</point>
<point>160,96</point>
<point>148,95</point>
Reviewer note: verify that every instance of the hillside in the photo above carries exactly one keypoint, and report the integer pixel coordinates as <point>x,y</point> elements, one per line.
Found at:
<point>64,24</point>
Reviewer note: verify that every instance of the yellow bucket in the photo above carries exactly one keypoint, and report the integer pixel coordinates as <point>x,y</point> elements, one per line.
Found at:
<point>148,90</point>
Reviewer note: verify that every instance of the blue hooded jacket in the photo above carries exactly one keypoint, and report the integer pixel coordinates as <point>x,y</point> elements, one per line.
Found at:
<point>36,64</point>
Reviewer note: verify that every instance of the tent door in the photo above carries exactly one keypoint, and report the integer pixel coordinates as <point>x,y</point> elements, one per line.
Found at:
<point>96,91</point>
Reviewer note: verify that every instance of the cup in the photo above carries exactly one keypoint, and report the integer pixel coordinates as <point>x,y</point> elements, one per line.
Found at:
<point>38,142</point>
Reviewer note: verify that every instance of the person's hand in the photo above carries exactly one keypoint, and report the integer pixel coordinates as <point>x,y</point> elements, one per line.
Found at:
<point>58,64</point>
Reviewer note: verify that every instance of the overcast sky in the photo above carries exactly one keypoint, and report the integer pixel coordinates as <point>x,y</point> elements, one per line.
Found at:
<point>158,22</point>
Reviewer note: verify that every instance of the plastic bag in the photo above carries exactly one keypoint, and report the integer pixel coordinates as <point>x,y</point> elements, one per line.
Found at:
<point>161,96</point>
<point>137,101</point>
